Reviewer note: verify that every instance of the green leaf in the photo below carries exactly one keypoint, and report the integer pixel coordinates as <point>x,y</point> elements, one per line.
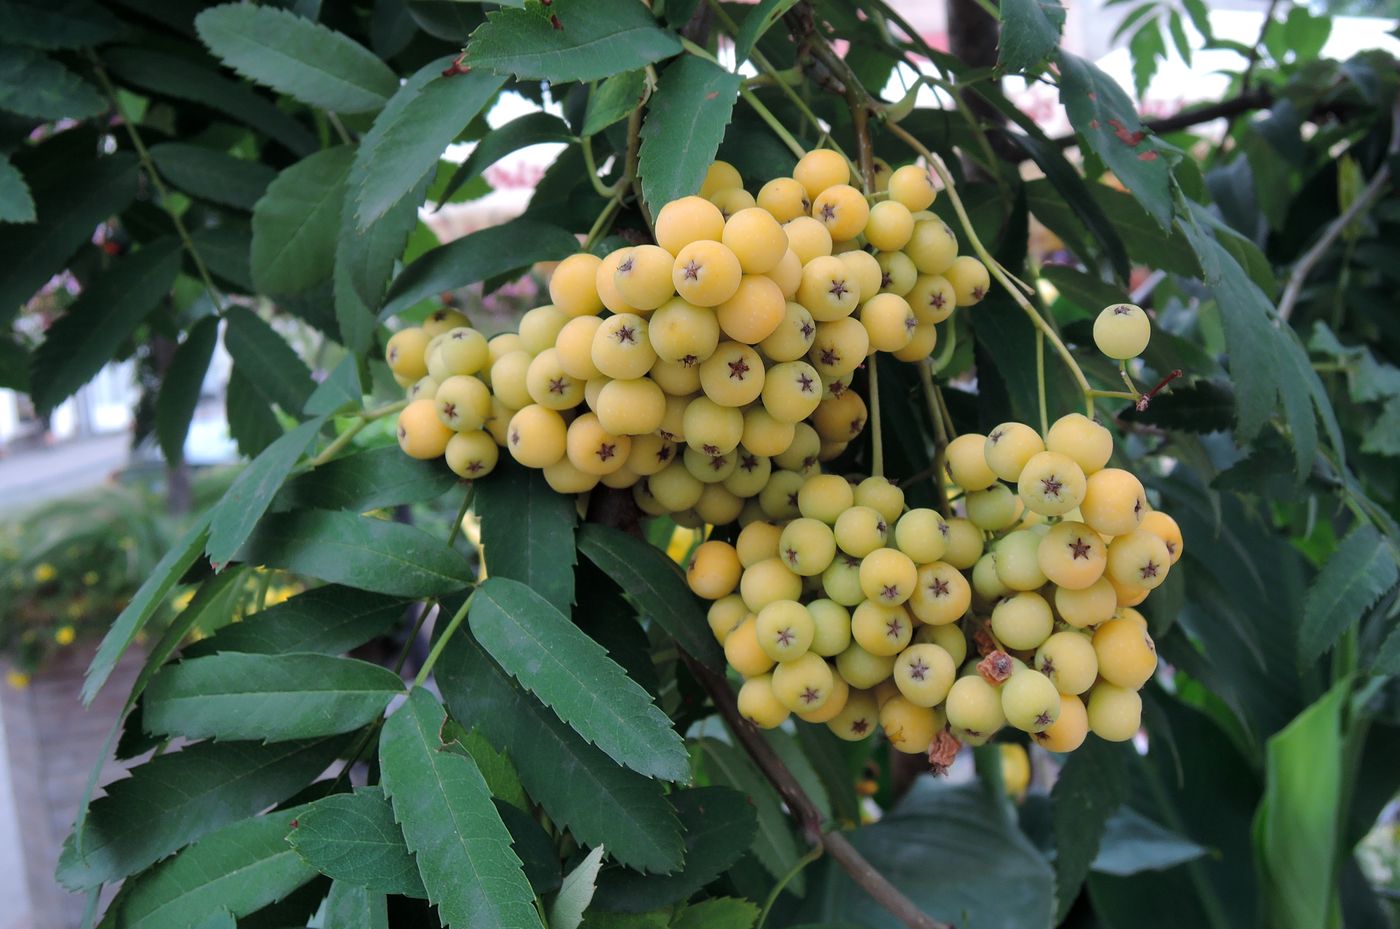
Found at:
<point>760,19</point>
<point>527,532</point>
<point>1295,828</point>
<point>684,125</point>
<point>1383,437</point>
<point>364,262</point>
<point>485,254</point>
<point>182,386</point>
<point>653,582</point>
<point>449,822</point>
<point>252,422</point>
<point>33,84</point>
<point>213,175</point>
<point>408,137</point>
<point>501,776</point>
<point>327,620</point>
<point>368,480</point>
<point>580,788</point>
<point>523,131</point>
<point>583,40</point>
<point>219,919</point>
<point>718,913</point>
<point>16,202</point>
<point>56,23</point>
<point>774,845</point>
<point>1148,47</point>
<point>573,675</point>
<point>340,392</point>
<point>371,554</point>
<point>1355,576</point>
<point>1085,291</point>
<point>273,698</point>
<point>1104,117</point>
<point>349,906</point>
<point>297,57</point>
<point>69,208</point>
<point>576,893</point>
<point>718,824</point>
<point>296,222</point>
<point>1092,785</point>
<point>953,852</point>
<point>1132,843</point>
<point>613,101</point>
<point>354,839</point>
<point>110,308</point>
<point>178,77</point>
<point>178,797</point>
<point>1030,31</point>
<point>242,868</point>
<point>272,367</point>
<point>251,493</point>
<point>144,603</point>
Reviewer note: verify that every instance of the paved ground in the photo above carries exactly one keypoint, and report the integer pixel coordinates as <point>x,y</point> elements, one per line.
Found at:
<point>32,475</point>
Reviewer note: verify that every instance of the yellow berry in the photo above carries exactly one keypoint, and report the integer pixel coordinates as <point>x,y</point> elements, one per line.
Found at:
<point>909,727</point>
<point>1029,701</point>
<point>919,534</point>
<point>643,277</point>
<point>574,345</point>
<point>621,348</point>
<point>683,332</point>
<point>967,462</point>
<point>1122,331</point>
<point>941,594</point>
<point>464,351</point>
<point>1139,559</point>
<point>1114,502</point>
<point>687,220</point>
<point>536,436</point>
<point>1165,528</point>
<point>933,248</point>
<point>1126,654</point>
<point>406,352</point>
<point>808,239</point>
<point>1018,560</point>
<point>548,384</point>
<point>887,576</point>
<point>650,453</point>
<point>969,279</point>
<point>833,627</point>
<point>819,169</point>
<point>759,704</point>
<point>863,669</point>
<point>835,703</point>
<point>948,637</point>
<point>706,273</point>
<point>992,509</point>
<point>675,488</point>
<point>890,226</point>
<point>779,496</point>
<point>974,706</point>
<point>860,530</point>
<point>573,287</point>
<point>912,186</point>
<point>828,290</point>
<point>804,684</point>
<point>791,391</point>
<point>785,198</point>
<point>838,348</point>
<point>859,718</point>
<point>463,403</point>
<point>733,375</point>
<point>1051,484</point>
<point>826,497</point>
<point>1072,555</point>
<point>742,651</point>
<point>1008,448</point>
<point>888,321</point>
<point>756,238</point>
<point>1084,441</point>
<point>442,321</point>
<point>1114,713</point>
<point>793,336</point>
<point>767,582</point>
<point>1022,621</point>
<point>841,581</point>
<point>421,431</point>
<point>1087,607</point>
<point>714,570</point>
<point>594,450</point>
<point>540,327</point>
<point>765,436</point>
<point>1069,660</point>
<point>965,543</point>
<point>897,273</point>
<point>788,274</point>
<point>630,407</point>
<point>843,210</point>
<point>882,496</point>
<point>720,176</point>
<point>605,279</point>
<point>755,310</point>
<point>807,546</point>
<point>924,673</point>
<point>731,200</point>
<point>725,614</point>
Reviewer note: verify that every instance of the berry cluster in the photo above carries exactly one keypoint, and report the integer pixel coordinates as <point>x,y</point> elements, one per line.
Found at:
<point>860,614</point>
<point>710,370</point>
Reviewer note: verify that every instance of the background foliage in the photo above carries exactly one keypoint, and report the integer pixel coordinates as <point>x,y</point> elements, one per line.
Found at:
<point>252,164</point>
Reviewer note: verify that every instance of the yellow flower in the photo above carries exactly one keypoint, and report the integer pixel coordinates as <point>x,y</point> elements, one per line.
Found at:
<point>44,573</point>
<point>17,679</point>
<point>90,578</point>
<point>65,635</point>
<point>183,600</point>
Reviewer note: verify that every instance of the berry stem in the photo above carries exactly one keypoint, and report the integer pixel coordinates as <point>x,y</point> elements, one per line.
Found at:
<point>603,223</point>
<point>877,448</point>
<point>994,267</point>
<point>1128,380</point>
<point>603,190</point>
<point>364,418</point>
<point>940,440</point>
<point>461,513</point>
<point>1040,380</point>
<point>796,869</point>
<point>443,639</point>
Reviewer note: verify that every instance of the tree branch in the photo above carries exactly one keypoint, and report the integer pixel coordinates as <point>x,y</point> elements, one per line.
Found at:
<point>1250,100</point>
<point>1364,200</point>
<point>803,809</point>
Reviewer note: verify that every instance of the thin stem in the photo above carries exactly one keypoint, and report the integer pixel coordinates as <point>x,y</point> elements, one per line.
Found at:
<point>778,888</point>
<point>994,267</point>
<point>1128,379</point>
<point>442,640</point>
<point>424,610</point>
<point>603,190</point>
<point>339,128</point>
<point>877,448</point>
<point>148,165</point>
<point>461,515</point>
<point>778,128</point>
<point>1040,380</point>
<point>940,439</point>
<point>945,352</point>
<point>1113,394</point>
<point>603,222</point>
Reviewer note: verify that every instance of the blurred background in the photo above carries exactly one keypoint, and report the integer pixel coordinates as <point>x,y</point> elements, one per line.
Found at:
<point>88,505</point>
